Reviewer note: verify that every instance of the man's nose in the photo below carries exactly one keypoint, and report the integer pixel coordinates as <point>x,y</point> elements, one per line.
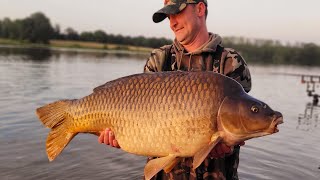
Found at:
<point>173,21</point>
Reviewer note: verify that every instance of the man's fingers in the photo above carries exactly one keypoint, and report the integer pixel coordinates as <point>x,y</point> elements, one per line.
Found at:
<point>106,136</point>
<point>101,137</point>
<point>216,152</point>
<point>213,154</point>
<point>219,151</point>
<point>115,144</point>
<point>225,149</point>
<point>111,138</point>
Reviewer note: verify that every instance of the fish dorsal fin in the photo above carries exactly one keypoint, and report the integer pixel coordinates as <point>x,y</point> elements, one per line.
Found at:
<point>119,81</point>
<point>107,84</point>
<point>98,88</point>
<point>112,83</point>
<point>204,151</point>
<point>156,165</point>
<point>101,87</point>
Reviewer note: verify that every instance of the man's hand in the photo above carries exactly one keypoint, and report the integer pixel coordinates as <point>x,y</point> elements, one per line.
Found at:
<point>221,150</point>
<point>107,137</point>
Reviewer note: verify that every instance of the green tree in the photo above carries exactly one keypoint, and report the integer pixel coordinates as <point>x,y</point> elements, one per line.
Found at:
<point>118,39</point>
<point>71,34</point>
<point>309,54</point>
<point>140,41</point>
<point>0,28</point>
<point>57,32</point>
<point>27,28</point>
<point>16,29</point>
<point>87,36</point>
<point>6,24</point>
<point>100,36</point>
<point>41,29</point>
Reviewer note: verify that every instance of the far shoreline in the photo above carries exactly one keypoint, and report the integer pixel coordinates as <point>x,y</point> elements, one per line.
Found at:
<point>78,46</point>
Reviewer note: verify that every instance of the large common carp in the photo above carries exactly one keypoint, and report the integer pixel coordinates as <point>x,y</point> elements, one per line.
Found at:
<point>167,115</point>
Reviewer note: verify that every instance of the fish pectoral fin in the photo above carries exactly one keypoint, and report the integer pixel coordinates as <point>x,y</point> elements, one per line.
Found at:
<point>156,165</point>
<point>171,165</point>
<point>204,152</point>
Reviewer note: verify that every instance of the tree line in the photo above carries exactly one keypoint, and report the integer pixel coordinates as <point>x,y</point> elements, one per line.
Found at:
<point>37,28</point>
<point>273,52</point>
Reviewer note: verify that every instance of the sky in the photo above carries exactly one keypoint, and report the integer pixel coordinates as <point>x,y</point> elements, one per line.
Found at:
<point>289,21</point>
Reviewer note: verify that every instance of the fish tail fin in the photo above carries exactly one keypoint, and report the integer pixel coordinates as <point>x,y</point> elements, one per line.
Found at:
<point>54,116</point>
<point>57,140</point>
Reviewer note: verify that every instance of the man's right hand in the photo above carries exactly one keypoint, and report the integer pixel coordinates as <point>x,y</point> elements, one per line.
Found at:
<point>107,137</point>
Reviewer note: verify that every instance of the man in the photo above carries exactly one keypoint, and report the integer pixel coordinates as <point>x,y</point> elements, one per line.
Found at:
<point>195,49</point>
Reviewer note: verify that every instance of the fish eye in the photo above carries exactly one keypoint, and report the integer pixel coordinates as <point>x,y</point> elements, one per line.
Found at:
<point>254,109</point>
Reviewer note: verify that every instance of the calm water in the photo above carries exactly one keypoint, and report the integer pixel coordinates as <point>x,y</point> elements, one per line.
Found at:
<point>30,78</point>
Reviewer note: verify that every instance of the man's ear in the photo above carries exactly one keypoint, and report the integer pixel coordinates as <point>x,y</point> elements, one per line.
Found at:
<point>201,9</point>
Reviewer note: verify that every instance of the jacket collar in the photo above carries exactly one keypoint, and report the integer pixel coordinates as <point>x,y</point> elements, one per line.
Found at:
<point>210,46</point>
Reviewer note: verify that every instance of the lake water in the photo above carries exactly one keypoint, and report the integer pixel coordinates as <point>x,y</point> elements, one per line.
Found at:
<point>30,78</point>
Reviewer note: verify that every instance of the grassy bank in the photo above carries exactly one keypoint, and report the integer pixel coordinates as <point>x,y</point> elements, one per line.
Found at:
<point>11,42</point>
<point>77,45</point>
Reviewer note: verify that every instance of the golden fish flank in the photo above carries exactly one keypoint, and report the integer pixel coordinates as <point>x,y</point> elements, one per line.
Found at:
<point>167,115</point>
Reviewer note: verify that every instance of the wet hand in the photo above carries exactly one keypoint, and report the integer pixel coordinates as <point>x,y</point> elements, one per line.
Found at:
<point>107,137</point>
<point>221,150</point>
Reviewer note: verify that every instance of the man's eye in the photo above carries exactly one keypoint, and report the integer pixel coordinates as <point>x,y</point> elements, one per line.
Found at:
<point>254,109</point>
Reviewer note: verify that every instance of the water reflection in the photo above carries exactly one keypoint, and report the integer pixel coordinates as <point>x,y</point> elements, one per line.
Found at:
<point>312,84</point>
<point>310,118</point>
<point>26,84</point>
<point>37,54</point>
<point>44,54</point>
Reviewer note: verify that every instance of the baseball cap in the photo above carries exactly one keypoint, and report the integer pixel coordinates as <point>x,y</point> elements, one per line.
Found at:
<point>173,7</point>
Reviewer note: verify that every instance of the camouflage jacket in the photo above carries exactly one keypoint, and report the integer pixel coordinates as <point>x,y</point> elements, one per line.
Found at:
<point>212,56</point>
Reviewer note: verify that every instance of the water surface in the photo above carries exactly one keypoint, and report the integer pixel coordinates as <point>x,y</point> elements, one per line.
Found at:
<point>30,78</point>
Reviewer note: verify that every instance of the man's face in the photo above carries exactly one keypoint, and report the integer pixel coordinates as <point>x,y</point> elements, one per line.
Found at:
<point>185,25</point>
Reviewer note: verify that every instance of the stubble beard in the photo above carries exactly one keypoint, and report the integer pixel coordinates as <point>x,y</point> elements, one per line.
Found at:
<point>183,39</point>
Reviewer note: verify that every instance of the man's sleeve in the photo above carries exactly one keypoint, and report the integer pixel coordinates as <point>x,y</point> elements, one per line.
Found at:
<point>236,67</point>
<point>232,164</point>
<point>156,60</point>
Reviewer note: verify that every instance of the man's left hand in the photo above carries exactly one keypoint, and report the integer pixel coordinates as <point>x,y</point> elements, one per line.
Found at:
<point>221,150</point>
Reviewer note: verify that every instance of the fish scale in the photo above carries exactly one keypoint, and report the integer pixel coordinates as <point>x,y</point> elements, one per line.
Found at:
<point>167,114</point>
<point>164,106</point>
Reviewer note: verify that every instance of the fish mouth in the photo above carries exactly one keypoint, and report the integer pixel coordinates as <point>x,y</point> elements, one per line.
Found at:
<point>277,121</point>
